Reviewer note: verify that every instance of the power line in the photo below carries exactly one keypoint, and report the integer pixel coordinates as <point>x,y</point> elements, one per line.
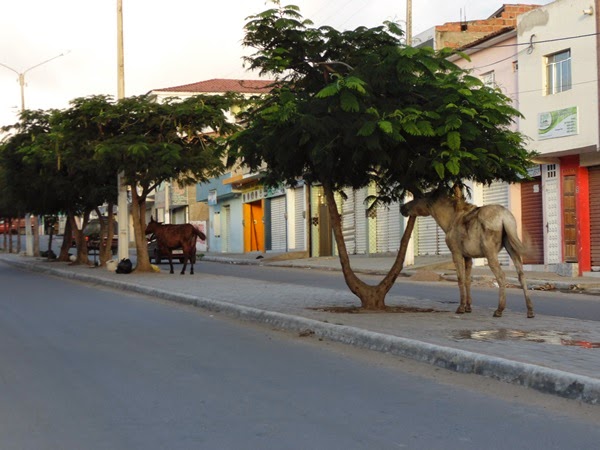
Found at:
<point>536,42</point>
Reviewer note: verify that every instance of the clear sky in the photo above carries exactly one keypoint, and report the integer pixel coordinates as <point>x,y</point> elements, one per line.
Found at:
<point>166,42</point>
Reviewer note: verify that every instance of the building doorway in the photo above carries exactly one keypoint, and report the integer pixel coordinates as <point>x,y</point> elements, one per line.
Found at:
<point>570,218</point>
<point>533,221</point>
<point>254,227</point>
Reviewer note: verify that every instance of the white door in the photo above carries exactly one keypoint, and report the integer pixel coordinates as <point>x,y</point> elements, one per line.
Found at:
<point>225,228</point>
<point>552,213</point>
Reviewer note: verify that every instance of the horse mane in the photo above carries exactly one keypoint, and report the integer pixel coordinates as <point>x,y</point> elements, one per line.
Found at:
<point>462,205</point>
<point>456,198</point>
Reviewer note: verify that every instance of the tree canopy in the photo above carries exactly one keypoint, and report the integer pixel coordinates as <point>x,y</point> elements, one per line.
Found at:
<point>350,109</point>
<point>68,160</point>
<point>358,107</point>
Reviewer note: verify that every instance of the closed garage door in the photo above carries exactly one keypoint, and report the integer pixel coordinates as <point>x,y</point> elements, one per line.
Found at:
<point>533,221</point>
<point>594,180</point>
<point>278,224</point>
<point>497,194</point>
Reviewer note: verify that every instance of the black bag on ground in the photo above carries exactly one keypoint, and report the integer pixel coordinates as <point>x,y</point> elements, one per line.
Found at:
<point>124,266</point>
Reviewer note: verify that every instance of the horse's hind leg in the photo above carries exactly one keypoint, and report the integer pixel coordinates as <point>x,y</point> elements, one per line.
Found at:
<point>494,265</point>
<point>192,260</point>
<point>519,266</point>
<point>185,260</point>
<point>468,266</point>
<point>459,264</point>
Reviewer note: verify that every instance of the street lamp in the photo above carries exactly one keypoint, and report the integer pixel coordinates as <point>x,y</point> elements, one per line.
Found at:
<point>32,246</point>
<point>22,76</point>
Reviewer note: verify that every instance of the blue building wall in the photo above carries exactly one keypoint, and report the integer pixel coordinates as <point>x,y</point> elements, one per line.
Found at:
<point>224,197</point>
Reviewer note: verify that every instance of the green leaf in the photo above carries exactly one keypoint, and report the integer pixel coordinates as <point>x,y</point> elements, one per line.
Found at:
<point>329,91</point>
<point>349,102</point>
<point>367,129</point>
<point>453,166</point>
<point>356,84</point>
<point>385,126</point>
<point>439,168</point>
<point>454,140</point>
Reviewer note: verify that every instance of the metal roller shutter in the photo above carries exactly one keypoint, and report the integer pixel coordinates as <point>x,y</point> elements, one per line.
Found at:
<point>533,221</point>
<point>497,194</point>
<point>299,218</point>
<point>360,219</point>
<point>594,185</point>
<point>388,228</point>
<point>431,239</point>
<point>278,224</point>
<point>348,213</point>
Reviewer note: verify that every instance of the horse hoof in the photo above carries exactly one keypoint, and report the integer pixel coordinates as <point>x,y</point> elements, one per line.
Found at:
<point>468,309</point>
<point>530,315</point>
<point>460,310</point>
<point>497,313</point>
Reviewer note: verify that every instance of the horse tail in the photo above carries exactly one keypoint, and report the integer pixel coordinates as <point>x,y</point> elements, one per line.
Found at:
<point>199,233</point>
<point>510,239</point>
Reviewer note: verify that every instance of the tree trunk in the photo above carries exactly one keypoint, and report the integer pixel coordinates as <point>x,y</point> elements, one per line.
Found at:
<point>82,250</point>
<point>66,245</point>
<point>107,252</point>
<point>19,233</point>
<point>50,235</point>
<point>35,234</point>
<point>10,239</point>
<point>106,235</point>
<point>138,212</point>
<point>371,297</point>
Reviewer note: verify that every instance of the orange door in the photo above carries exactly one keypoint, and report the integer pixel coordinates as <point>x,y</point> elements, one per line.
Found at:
<point>254,227</point>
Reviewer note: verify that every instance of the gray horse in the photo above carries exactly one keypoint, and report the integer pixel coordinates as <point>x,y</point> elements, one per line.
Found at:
<point>474,232</point>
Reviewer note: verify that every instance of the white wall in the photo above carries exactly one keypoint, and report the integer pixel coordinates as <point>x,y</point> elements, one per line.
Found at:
<point>548,28</point>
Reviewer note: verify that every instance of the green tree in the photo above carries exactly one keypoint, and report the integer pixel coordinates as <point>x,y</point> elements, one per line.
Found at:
<point>153,143</point>
<point>50,167</point>
<point>357,108</point>
<point>25,184</point>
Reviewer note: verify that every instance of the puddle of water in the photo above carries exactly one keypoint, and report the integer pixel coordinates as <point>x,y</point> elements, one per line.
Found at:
<point>544,337</point>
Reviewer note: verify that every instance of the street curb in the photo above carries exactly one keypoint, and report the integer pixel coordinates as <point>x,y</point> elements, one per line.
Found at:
<point>543,379</point>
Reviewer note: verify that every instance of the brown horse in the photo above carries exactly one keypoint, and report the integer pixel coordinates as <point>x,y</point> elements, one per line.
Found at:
<point>474,232</point>
<point>170,237</point>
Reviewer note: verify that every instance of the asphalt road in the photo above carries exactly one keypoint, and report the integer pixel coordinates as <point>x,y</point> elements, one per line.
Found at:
<point>94,368</point>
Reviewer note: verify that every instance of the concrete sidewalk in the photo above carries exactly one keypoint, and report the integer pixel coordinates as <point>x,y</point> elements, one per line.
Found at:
<point>554,355</point>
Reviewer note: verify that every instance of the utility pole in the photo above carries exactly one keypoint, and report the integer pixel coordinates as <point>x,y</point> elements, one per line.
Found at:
<point>408,22</point>
<point>32,240</point>
<point>122,209</point>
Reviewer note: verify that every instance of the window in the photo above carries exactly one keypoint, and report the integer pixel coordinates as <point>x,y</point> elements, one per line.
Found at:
<point>558,72</point>
<point>489,79</point>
